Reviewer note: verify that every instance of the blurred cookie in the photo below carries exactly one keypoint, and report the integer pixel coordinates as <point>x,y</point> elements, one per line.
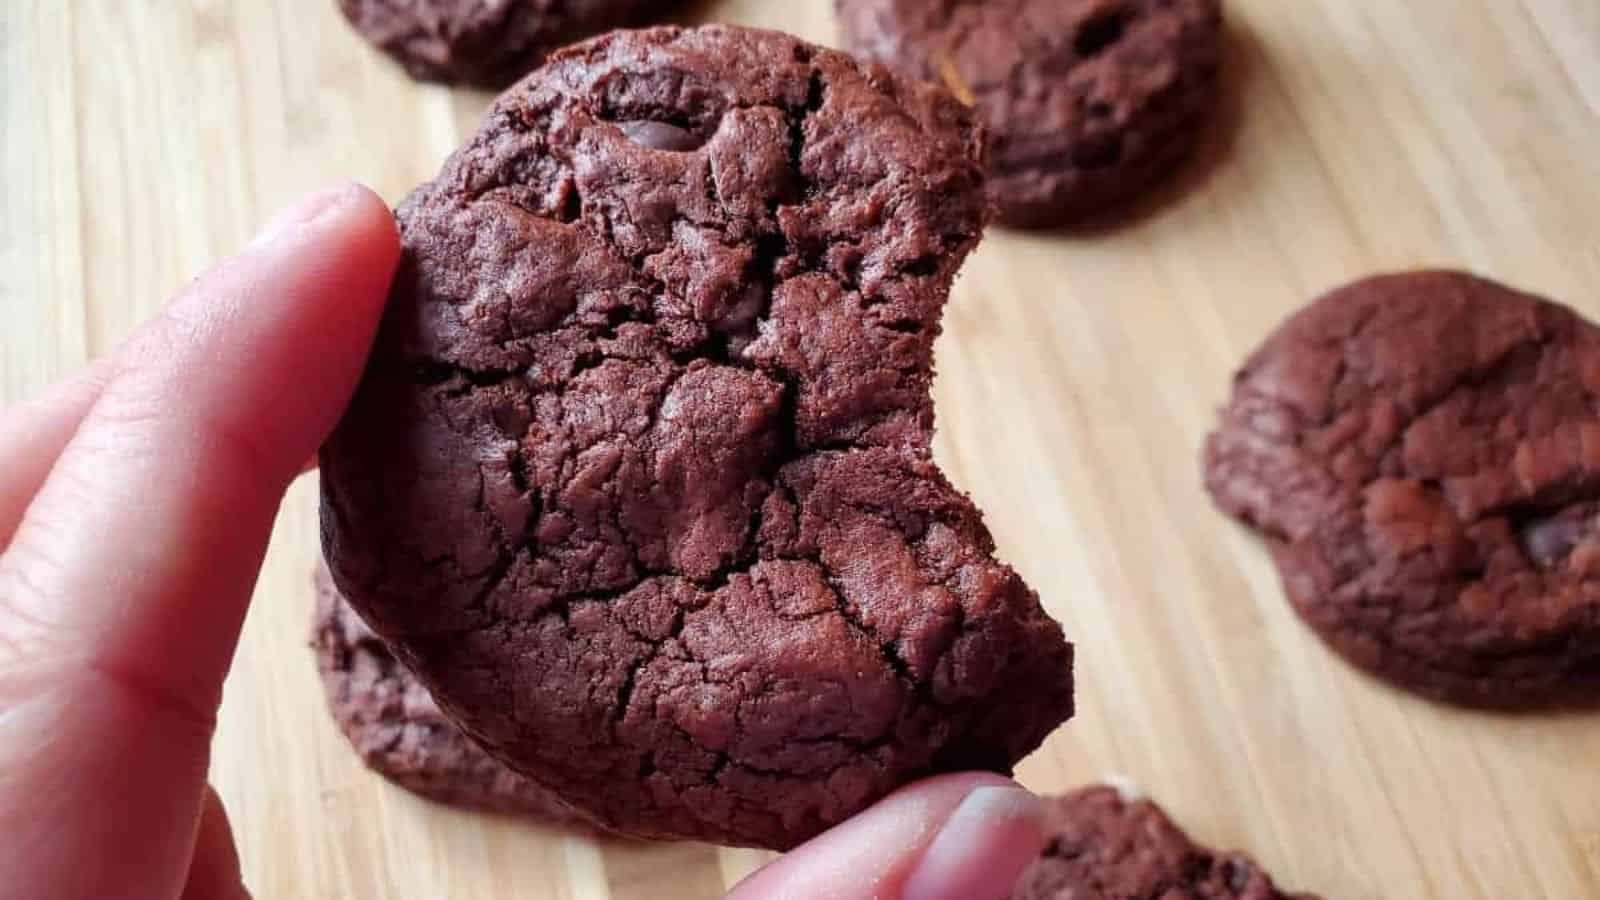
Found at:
<point>1422,454</point>
<point>393,723</point>
<point>485,43</point>
<point>1107,846</point>
<point>1087,102</point>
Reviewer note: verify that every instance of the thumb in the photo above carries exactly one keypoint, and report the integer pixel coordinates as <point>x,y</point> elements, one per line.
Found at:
<point>124,585</point>
<point>956,837</point>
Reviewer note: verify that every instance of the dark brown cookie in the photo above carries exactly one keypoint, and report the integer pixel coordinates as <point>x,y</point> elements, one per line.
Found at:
<point>638,480</point>
<point>485,43</point>
<point>1087,102</point>
<point>1105,846</point>
<point>392,721</point>
<point>1422,453</point>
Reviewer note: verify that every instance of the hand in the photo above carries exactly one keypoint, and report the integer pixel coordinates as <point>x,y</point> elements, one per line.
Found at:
<point>135,505</point>
<point>136,502</point>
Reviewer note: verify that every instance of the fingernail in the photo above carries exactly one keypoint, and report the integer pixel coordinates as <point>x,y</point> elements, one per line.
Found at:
<point>304,212</point>
<point>991,837</point>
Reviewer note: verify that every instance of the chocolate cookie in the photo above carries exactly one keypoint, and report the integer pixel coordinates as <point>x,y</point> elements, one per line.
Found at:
<point>638,480</point>
<point>1087,102</point>
<point>1422,454</point>
<point>392,721</point>
<point>486,43</point>
<point>1105,846</point>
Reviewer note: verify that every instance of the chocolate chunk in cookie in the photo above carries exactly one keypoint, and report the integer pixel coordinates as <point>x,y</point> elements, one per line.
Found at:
<point>1087,102</point>
<point>1422,454</point>
<point>638,480</point>
<point>392,721</point>
<point>1105,846</point>
<point>485,43</point>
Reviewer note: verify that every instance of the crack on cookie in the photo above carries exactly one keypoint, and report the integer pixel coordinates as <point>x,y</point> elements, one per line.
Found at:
<point>1516,359</point>
<point>571,204</point>
<point>816,96</point>
<point>1097,34</point>
<point>434,372</point>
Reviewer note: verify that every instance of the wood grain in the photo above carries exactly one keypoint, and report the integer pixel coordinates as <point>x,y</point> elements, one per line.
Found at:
<point>144,139</point>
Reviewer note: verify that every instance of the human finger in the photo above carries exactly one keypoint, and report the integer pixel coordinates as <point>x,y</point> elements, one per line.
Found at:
<point>955,837</point>
<point>123,588</point>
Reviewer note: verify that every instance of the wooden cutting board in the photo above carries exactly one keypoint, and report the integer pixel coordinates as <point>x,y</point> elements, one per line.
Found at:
<point>144,139</point>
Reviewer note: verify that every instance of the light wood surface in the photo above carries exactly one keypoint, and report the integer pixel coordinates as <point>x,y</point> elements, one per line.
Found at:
<point>145,139</point>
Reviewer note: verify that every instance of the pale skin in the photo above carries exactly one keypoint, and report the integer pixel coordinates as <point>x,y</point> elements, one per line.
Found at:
<point>136,500</point>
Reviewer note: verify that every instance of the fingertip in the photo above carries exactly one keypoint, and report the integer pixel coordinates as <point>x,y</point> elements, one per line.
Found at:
<point>365,215</point>
<point>296,309</point>
<point>348,202</point>
<point>880,852</point>
<point>982,849</point>
<point>359,209</point>
<point>348,223</point>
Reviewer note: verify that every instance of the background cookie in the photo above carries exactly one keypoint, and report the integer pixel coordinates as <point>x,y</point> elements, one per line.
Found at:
<point>1422,453</point>
<point>486,43</point>
<point>1105,846</point>
<point>392,721</point>
<point>1087,102</point>
<point>652,509</point>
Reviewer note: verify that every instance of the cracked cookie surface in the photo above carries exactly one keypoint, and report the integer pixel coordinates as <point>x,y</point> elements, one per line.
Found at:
<point>394,725</point>
<point>484,43</point>
<point>1087,102</point>
<point>1104,846</point>
<point>638,480</point>
<point>1422,454</point>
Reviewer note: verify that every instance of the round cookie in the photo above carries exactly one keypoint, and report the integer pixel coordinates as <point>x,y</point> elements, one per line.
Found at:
<point>638,480</point>
<point>1087,102</point>
<point>393,723</point>
<point>1422,454</point>
<point>1105,846</point>
<point>484,43</point>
